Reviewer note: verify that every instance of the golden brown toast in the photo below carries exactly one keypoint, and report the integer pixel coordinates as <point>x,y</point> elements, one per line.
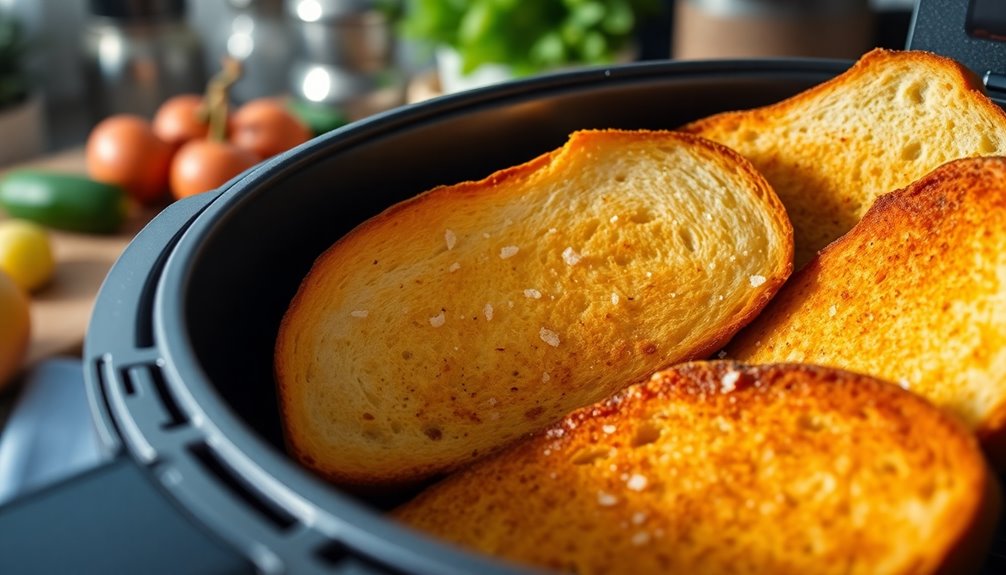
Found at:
<point>830,151</point>
<point>716,467</point>
<point>913,294</point>
<point>460,320</point>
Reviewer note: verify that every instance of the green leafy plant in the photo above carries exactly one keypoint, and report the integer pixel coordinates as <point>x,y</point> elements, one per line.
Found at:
<point>528,36</point>
<point>14,83</point>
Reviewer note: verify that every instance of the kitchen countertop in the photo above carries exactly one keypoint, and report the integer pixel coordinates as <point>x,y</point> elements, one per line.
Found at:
<point>61,310</point>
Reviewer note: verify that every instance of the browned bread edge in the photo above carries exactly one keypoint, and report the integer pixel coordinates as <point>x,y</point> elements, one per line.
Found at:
<point>551,463</point>
<point>710,342</point>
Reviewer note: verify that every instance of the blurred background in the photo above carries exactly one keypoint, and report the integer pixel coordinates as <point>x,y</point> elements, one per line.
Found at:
<point>73,62</point>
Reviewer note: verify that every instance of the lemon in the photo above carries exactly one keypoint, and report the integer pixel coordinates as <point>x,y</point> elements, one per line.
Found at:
<point>15,327</point>
<point>26,254</point>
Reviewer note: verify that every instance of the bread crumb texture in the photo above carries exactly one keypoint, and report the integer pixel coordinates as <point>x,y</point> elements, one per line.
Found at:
<point>589,264</point>
<point>797,469</point>
<point>914,294</point>
<point>831,151</point>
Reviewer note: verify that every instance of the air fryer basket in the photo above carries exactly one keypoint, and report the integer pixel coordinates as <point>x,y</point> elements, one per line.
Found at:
<point>178,357</point>
<point>246,255</point>
<point>232,273</point>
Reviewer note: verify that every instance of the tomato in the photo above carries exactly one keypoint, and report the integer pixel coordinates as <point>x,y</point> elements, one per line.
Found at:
<point>124,150</point>
<point>15,328</point>
<point>202,165</point>
<point>26,254</point>
<point>266,128</point>
<point>180,119</point>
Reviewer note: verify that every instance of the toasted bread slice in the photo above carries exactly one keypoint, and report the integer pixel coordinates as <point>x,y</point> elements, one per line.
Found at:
<point>716,467</point>
<point>831,151</point>
<point>913,294</point>
<point>473,314</point>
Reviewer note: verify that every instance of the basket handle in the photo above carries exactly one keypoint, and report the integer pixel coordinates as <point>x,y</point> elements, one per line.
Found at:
<point>116,517</point>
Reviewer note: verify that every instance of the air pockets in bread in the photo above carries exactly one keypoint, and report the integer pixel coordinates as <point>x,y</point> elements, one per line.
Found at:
<point>476,313</point>
<point>913,294</point>
<point>830,151</point>
<point>717,467</point>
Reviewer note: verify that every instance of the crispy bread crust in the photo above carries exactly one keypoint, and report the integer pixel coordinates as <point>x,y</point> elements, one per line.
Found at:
<point>704,468</point>
<point>623,339</point>
<point>831,150</point>
<point>912,295</point>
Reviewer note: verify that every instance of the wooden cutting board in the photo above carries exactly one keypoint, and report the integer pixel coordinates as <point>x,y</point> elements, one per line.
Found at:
<point>61,310</point>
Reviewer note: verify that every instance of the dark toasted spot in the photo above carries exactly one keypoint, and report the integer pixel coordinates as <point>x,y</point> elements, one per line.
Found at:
<point>647,432</point>
<point>534,412</point>
<point>809,423</point>
<point>589,455</point>
<point>433,433</point>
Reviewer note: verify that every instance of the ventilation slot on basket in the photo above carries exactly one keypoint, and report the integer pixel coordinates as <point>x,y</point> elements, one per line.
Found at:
<point>151,378</point>
<point>333,552</point>
<point>128,387</point>
<point>98,370</point>
<point>279,517</point>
